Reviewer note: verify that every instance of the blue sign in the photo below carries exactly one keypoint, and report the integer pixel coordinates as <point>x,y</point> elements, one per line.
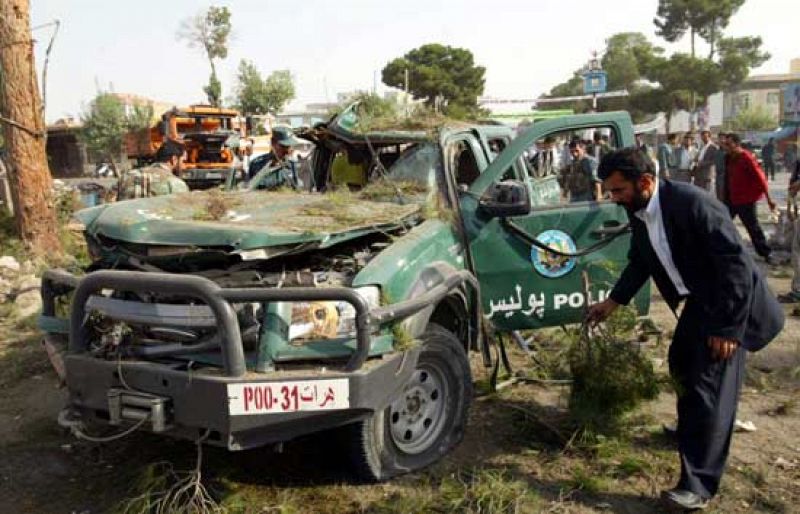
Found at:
<point>594,81</point>
<point>549,264</point>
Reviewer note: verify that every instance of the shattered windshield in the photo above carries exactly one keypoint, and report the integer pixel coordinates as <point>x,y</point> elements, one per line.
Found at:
<point>411,177</point>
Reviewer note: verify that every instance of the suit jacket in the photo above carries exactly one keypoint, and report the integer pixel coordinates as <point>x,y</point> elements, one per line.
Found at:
<point>709,158</point>
<point>723,280</point>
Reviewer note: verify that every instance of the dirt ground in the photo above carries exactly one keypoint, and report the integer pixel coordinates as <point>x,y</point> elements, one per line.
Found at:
<point>510,460</point>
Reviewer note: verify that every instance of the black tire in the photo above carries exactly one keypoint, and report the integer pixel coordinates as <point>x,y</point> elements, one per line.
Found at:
<point>425,422</point>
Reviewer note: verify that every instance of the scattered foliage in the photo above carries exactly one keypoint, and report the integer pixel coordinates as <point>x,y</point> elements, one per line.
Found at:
<point>217,205</point>
<point>611,375</point>
<point>403,340</point>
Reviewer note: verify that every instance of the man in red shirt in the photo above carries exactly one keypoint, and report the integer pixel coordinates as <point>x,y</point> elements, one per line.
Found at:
<point>746,185</point>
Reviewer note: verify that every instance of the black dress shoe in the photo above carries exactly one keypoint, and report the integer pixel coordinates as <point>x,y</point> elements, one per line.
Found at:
<point>683,499</point>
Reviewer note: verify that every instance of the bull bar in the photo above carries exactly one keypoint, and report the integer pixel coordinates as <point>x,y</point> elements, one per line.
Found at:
<point>218,300</point>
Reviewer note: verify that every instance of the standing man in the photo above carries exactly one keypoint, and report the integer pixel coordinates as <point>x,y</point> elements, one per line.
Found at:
<point>746,186</point>
<point>705,170</point>
<point>640,144</point>
<point>793,296</point>
<point>790,156</point>
<point>277,168</point>
<point>545,161</point>
<point>688,244</point>
<point>684,161</point>
<point>768,155</point>
<point>579,180</point>
<point>160,178</point>
<point>722,177</point>
<point>599,146</point>
<point>666,157</point>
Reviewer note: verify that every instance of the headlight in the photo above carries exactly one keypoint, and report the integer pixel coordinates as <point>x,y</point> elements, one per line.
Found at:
<point>328,320</point>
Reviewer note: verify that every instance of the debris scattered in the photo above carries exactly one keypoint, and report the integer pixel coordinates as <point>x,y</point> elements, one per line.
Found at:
<point>782,463</point>
<point>744,426</point>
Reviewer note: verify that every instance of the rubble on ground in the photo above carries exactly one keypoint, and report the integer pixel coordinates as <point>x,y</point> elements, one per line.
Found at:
<point>19,286</point>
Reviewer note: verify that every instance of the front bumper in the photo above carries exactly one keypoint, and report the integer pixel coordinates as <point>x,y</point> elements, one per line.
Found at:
<point>179,401</point>
<point>206,178</point>
<point>193,404</point>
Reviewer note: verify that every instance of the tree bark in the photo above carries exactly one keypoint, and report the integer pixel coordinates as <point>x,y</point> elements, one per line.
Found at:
<point>30,180</point>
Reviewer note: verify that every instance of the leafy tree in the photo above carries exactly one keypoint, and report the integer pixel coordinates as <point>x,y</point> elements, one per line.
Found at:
<point>141,116</point>
<point>752,118</point>
<point>626,59</point>
<point>209,31</point>
<point>105,124</point>
<point>255,95</point>
<point>706,18</point>
<point>213,90</point>
<point>442,76</point>
<point>737,56</point>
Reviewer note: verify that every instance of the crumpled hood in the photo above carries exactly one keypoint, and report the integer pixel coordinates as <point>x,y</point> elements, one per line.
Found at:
<point>244,220</point>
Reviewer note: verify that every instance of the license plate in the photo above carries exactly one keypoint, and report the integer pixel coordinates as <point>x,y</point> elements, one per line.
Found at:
<point>213,174</point>
<point>277,397</point>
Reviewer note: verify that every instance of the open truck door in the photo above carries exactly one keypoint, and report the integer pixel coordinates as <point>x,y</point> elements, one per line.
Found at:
<point>524,286</point>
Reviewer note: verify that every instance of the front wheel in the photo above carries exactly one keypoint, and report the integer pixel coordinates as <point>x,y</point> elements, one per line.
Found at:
<point>425,420</point>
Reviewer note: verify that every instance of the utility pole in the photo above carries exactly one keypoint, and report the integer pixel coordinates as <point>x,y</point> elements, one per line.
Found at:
<point>24,130</point>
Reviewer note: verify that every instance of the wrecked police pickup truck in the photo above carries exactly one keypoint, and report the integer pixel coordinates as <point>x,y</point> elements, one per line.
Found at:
<point>253,317</point>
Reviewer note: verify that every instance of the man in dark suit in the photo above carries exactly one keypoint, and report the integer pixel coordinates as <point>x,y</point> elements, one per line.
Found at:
<point>685,240</point>
<point>704,172</point>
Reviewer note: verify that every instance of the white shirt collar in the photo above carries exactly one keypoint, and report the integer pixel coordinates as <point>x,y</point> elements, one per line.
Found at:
<point>653,206</point>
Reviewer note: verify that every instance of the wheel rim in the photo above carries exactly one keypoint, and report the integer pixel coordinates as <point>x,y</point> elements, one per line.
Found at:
<point>417,417</point>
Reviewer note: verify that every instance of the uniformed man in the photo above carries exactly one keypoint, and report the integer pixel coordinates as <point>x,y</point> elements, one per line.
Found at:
<point>157,179</point>
<point>277,168</point>
<point>579,180</point>
<point>667,163</point>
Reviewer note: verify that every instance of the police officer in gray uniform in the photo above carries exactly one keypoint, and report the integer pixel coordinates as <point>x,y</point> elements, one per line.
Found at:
<point>277,168</point>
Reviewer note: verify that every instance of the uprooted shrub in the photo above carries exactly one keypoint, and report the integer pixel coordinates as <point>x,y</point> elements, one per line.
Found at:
<point>611,374</point>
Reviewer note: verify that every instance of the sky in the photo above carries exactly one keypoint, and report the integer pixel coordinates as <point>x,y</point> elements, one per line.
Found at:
<point>527,46</point>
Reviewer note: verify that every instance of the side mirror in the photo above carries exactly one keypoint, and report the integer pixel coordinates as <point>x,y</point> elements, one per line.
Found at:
<point>506,198</point>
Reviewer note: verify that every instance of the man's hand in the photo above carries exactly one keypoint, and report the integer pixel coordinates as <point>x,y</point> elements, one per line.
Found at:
<point>794,187</point>
<point>722,348</point>
<point>771,204</point>
<point>599,312</point>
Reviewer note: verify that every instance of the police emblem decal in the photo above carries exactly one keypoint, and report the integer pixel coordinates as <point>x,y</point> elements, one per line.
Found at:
<point>549,264</point>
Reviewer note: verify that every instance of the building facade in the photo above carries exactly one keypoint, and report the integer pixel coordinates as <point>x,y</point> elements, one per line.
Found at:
<point>763,92</point>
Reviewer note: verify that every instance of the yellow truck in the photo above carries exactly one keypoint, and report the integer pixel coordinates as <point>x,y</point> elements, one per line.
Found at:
<point>211,136</point>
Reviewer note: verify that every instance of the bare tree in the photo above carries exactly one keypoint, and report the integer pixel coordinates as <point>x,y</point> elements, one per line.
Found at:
<point>209,31</point>
<point>24,130</point>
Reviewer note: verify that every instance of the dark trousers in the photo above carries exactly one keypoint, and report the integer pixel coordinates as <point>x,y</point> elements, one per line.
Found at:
<point>769,168</point>
<point>708,391</point>
<point>747,213</point>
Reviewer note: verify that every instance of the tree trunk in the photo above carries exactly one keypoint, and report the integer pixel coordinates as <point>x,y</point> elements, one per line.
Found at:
<point>693,98</point>
<point>24,130</point>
